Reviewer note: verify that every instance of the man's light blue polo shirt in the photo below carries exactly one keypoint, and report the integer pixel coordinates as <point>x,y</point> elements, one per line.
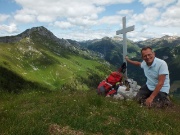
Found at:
<point>152,72</point>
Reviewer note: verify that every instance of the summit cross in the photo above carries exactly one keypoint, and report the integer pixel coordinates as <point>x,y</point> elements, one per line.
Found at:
<point>123,31</point>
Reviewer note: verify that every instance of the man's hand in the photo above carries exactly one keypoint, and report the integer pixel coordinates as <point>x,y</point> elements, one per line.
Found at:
<point>149,101</point>
<point>136,63</point>
<point>126,57</point>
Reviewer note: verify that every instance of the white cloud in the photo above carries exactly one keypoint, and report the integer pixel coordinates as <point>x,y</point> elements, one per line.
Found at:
<point>170,17</point>
<point>4,17</point>
<point>24,18</point>
<point>116,19</point>
<point>148,16</point>
<point>125,12</point>
<point>57,8</point>
<point>170,34</point>
<point>109,2</point>
<point>66,14</point>
<point>78,12</point>
<point>143,28</point>
<point>168,23</point>
<point>172,12</point>
<point>9,28</point>
<point>157,3</point>
<point>86,34</point>
<point>83,21</point>
<point>63,25</point>
<point>45,18</point>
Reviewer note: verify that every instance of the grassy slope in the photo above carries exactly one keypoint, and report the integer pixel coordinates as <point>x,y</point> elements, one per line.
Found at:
<point>82,112</point>
<point>36,63</point>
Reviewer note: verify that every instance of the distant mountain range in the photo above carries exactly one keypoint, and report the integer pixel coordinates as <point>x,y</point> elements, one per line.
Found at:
<point>37,56</point>
<point>169,41</point>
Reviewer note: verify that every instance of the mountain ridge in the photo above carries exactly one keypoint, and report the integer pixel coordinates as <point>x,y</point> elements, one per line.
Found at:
<point>45,32</point>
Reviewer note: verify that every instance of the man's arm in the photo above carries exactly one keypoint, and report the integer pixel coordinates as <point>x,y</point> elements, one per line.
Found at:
<point>136,63</point>
<point>158,87</point>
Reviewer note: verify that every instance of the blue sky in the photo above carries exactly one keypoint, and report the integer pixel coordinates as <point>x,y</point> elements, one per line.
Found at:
<point>91,19</point>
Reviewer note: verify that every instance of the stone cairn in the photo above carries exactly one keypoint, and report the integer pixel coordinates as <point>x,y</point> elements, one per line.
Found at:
<point>128,90</point>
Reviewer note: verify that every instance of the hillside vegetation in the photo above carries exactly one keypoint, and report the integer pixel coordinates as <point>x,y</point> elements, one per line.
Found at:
<point>37,61</point>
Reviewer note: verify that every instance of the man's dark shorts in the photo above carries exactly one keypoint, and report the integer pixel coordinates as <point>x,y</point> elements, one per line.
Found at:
<point>161,100</point>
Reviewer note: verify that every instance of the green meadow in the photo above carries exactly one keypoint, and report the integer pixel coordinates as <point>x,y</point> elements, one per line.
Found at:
<point>69,112</point>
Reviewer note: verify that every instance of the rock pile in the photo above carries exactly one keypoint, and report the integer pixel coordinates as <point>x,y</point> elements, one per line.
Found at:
<point>128,90</point>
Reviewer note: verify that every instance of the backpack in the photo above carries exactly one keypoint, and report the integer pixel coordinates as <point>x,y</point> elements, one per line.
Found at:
<point>108,86</point>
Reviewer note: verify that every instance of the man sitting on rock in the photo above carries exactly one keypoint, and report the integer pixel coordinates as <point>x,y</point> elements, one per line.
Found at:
<point>155,91</point>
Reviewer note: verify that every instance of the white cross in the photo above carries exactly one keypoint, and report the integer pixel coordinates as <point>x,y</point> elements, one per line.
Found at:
<point>123,31</point>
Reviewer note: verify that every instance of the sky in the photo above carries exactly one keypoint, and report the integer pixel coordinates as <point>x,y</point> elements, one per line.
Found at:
<point>91,19</point>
